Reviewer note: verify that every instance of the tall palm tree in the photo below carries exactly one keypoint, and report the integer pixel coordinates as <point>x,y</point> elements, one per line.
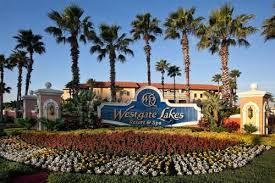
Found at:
<point>181,24</point>
<point>32,44</point>
<point>19,58</point>
<point>269,28</point>
<point>162,66</point>
<point>3,88</point>
<point>114,45</point>
<point>217,79</point>
<point>174,71</point>
<point>70,27</point>
<point>222,31</point>
<point>147,28</point>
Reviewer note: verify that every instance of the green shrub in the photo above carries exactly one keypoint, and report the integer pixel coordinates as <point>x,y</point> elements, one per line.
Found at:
<point>56,125</point>
<point>25,123</point>
<point>218,129</point>
<point>256,140</point>
<point>2,133</point>
<point>250,128</point>
<point>13,131</point>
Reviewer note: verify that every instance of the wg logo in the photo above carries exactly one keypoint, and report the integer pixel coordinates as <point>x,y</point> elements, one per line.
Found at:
<point>149,100</point>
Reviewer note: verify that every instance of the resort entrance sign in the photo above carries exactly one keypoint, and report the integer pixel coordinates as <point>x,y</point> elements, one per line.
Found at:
<point>149,109</point>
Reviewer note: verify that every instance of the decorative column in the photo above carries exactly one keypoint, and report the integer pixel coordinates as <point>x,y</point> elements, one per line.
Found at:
<point>29,104</point>
<point>253,108</point>
<point>49,103</point>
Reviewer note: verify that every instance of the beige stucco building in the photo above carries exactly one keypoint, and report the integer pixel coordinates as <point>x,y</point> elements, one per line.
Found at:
<point>127,90</point>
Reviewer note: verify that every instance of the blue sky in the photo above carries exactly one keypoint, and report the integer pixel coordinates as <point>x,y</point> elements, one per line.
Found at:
<point>256,62</point>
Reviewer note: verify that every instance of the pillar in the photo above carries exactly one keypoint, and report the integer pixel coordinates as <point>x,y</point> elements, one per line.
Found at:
<point>49,103</point>
<point>253,109</point>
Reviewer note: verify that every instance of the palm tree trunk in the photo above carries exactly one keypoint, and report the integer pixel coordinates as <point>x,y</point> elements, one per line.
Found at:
<point>175,89</point>
<point>162,83</point>
<point>75,68</point>
<point>29,71</point>
<point>185,50</point>
<point>112,78</point>
<point>147,50</point>
<point>1,92</point>
<point>19,86</point>
<point>226,92</point>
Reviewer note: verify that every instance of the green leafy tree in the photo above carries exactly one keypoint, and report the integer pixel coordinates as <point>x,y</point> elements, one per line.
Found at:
<point>179,25</point>
<point>217,78</point>
<point>32,44</point>
<point>3,88</point>
<point>162,66</point>
<point>110,43</point>
<point>222,31</point>
<point>71,27</point>
<point>174,71</point>
<point>147,28</point>
<point>19,59</point>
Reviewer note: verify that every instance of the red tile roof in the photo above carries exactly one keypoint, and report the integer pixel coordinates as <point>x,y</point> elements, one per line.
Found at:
<point>122,84</point>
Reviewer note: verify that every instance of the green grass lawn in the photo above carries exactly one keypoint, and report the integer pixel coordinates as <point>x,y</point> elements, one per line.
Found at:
<point>9,169</point>
<point>261,169</point>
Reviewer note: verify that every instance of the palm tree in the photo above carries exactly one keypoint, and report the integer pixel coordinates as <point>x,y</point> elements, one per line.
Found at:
<point>222,31</point>
<point>71,27</point>
<point>217,79</point>
<point>91,83</point>
<point>19,58</point>
<point>234,74</point>
<point>269,28</point>
<point>114,45</point>
<point>174,71</point>
<point>32,44</point>
<point>69,85</point>
<point>3,89</point>
<point>147,28</point>
<point>162,66</point>
<point>211,108</point>
<point>180,24</point>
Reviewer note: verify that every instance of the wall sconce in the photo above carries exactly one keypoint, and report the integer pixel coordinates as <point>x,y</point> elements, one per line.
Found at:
<point>250,112</point>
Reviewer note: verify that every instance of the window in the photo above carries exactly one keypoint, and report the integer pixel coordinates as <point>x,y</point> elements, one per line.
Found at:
<point>195,95</point>
<point>128,93</point>
<point>201,95</point>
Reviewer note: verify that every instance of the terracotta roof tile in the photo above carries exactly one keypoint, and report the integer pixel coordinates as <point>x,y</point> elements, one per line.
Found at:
<point>122,84</point>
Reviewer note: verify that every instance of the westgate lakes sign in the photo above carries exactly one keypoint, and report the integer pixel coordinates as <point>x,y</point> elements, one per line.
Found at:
<point>148,108</point>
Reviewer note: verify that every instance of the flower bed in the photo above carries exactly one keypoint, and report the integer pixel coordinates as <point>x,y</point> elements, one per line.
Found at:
<point>14,148</point>
<point>128,142</point>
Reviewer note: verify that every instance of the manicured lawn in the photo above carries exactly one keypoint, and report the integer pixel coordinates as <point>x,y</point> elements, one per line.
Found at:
<point>9,169</point>
<point>262,169</point>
